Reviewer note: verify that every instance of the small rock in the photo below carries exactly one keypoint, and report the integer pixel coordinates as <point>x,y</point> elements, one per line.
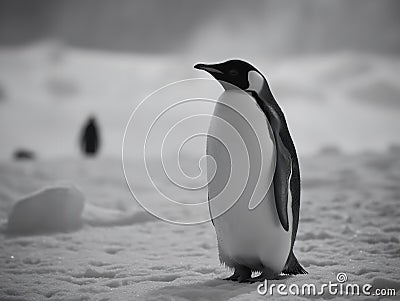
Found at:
<point>380,282</point>
<point>24,154</point>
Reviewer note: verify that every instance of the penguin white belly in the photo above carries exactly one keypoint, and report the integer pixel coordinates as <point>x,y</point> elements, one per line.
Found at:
<point>251,237</point>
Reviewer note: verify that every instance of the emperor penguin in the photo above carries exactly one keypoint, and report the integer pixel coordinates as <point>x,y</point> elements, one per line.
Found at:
<point>253,235</point>
<point>90,137</point>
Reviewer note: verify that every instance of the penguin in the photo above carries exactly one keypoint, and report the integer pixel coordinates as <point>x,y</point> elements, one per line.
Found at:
<point>257,238</point>
<point>90,139</point>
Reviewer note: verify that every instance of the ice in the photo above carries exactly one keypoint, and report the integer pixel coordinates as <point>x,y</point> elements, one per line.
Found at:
<point>49,210</point>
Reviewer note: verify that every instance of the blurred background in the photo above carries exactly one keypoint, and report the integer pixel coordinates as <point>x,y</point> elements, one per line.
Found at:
<point>332,65</point>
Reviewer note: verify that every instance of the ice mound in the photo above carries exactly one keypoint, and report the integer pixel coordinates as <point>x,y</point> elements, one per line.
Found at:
<point>53,209</point>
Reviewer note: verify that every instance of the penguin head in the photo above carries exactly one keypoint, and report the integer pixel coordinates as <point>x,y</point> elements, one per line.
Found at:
<point>237,73</point>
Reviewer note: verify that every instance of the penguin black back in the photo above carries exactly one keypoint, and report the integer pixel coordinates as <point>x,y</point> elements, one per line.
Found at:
<point>287,172</point>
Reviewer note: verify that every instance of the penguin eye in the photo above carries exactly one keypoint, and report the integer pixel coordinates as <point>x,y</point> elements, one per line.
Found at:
<point>233,72</point>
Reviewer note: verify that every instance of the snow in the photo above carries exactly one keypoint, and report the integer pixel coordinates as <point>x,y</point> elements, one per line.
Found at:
<point>348,214</point>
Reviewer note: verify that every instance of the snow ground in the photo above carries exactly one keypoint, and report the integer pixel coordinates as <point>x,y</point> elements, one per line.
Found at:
<point>348,224</point>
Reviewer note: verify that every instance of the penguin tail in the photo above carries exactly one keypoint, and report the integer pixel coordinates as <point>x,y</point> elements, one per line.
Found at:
<point>293,267</point>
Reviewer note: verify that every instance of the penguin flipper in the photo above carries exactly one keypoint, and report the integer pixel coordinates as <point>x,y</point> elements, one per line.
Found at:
<point>283,165</point>
<point>293,267</point>
<point>281,182</point>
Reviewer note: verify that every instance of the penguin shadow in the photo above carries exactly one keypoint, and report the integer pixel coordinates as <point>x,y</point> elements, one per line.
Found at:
<point>215,289</point>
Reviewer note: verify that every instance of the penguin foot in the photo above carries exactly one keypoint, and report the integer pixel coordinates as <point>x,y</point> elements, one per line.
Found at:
<point>265,275</point>
<point>259,278</point>
<point>241,274</point>
<point>233,277</point>
<point>247,280</point>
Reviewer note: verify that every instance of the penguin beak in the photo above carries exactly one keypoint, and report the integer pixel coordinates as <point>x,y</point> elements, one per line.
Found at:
<point>208,68</point>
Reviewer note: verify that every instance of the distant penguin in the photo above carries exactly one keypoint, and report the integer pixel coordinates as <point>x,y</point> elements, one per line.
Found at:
<point>90,138</point>
<point>258,239</point>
